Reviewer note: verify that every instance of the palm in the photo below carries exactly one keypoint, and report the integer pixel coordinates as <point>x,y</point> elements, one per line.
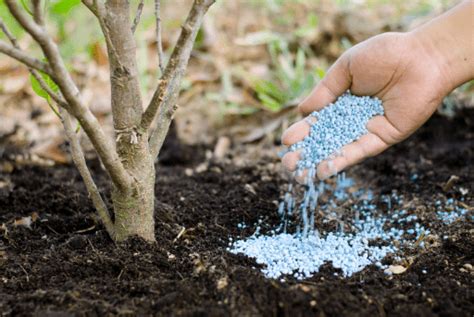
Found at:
<point>390,67</point>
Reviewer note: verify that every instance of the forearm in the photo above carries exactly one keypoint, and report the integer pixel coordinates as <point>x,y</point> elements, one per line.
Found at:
<point>450,40</point>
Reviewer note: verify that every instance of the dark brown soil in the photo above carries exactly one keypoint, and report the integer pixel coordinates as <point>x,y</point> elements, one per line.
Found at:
<point>66,265</point>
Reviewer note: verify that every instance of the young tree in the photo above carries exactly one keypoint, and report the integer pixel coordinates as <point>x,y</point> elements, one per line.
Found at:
<point>139,133</point>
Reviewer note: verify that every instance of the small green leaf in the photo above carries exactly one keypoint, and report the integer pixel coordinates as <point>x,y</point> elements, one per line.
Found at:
<point>270,103</point>
<point>63,7</point>
<point>300,63</point>
<point>268,88</point>
<point>39,90</point>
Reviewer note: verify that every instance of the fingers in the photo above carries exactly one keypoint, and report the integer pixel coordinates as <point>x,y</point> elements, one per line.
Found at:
<point>290,160</point>
<point>334,84</point>
<point>295,133</point>
<point>384,129</point>
<point>366,146</point>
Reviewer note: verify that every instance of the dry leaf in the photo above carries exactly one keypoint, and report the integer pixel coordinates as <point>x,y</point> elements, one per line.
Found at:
<point>396,269</point>
<point>222,283</point>
<point>25,222</point>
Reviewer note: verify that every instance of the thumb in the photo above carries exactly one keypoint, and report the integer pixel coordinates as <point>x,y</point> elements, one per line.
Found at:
<point>334,84</point>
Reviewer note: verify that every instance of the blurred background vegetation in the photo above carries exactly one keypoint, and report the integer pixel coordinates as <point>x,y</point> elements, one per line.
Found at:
<point>254,60</point>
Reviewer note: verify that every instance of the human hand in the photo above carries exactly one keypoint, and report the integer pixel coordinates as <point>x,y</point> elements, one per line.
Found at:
<point>394,67</point>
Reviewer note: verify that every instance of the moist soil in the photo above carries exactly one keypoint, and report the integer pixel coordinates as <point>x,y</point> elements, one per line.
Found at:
<point>65,264</point>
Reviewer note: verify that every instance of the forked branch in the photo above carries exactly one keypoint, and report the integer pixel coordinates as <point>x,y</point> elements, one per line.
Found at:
<point>24,58</point>
<point>69,90</point>
<point>76,150</point>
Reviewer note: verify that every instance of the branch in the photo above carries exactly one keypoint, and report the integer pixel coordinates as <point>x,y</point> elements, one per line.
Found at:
<point>22,57</point>
<point>89,4</point>
<point>159,43</point>
<point>38,12</point>
<point>80,162</point>
<point>137,16</point>
<point>76,150</point>
<point>33,71</point>
<point>60,75</point>
<point>165,97</point>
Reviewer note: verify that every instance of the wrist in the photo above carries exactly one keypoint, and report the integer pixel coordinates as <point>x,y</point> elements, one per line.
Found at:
<point>448,40</point>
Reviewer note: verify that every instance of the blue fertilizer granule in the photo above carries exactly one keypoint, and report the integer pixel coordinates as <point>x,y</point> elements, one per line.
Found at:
<point>336,125</point>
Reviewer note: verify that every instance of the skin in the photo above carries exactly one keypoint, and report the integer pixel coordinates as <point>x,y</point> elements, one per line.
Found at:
<point>410,72</point>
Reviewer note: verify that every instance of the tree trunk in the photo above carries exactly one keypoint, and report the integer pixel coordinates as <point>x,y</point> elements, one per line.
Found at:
<point>134,209</point>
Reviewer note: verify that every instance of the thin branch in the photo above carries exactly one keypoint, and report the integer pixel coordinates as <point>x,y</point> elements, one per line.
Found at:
<point>159,43</point>
<point>76,150</point>
<point>22,57</point>
<point>15,52</point>
<point>33,71</point>
<point>80,162</point>
<point>69,90</point>
<point>165,97</point>
<point>136,21</point>
<point>38,12</point>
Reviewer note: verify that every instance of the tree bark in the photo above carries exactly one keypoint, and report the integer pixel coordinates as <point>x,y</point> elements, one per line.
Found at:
<point>133,208</point>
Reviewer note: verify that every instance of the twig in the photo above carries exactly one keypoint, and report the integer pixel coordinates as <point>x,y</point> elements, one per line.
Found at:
<point>80,162</point>
<point>165,96</point>
<point>26,273</point>
<point>69,90</point>
<point>138,15</point>
<point>33,71</point>
<point>38,12</point>
<point>159,43</point>
<point>181,232</point>
<point>22,57</point>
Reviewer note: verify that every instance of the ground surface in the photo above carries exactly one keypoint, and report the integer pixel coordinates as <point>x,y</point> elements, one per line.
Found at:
<point>65,264</point>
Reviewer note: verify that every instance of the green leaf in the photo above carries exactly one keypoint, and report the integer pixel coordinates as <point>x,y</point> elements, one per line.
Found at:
<point>270,89</point>
<point>42,93</point>
<point>63,7</point>
<point>300,63</point>
<point>270,103</point>
<point>39,90</point>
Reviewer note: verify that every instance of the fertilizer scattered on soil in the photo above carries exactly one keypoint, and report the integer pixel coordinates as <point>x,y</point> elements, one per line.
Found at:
<point>357,241</point>
<point>367,242</point>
